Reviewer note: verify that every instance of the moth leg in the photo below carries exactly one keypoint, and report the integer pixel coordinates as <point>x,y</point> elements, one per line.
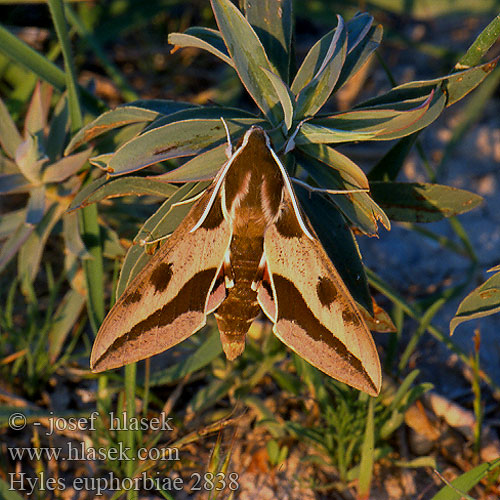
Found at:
<point>259,275</point>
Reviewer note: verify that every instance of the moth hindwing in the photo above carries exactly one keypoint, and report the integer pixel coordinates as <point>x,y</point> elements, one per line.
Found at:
<point>245,246</point>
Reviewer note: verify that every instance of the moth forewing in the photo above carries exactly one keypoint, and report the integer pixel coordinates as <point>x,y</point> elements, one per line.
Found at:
<point>315,314</point>
<point>167,301</point>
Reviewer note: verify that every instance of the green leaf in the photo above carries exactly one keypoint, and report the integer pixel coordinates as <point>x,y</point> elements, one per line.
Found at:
<point>14,183</point>
<point>385,124</point>
<point>326,71</point>
<point>14,243</point>
<point>358,208</point>
<point>482,301</point>
<point>10,221</point>
<point>185,138</point>
<point>38,110</point>
<point>23,54</point>
<point>65,167</point>
<point>347,169</point>
<point>103,188</point>
<point>201,357</point>
<point>66,315</point>
<point>249,57</point>
<point>318,134</point>
<point>466,481</point>
<point>339,243</point>
<point>59,129</point>
<point>10,139</point>
<point>360,54</point>
<point>72,238</point>
<point>273,24</point>
<point>285,96</point>
<point>455,86</point>
<point>56,8</point>
<point>30,254</point>
<point>201,168</point>
<point>30,158</point>
<point>367,454</point>
<point>35,208</point>
<point>202,38</point>
<point>135,112</point>
<point>7,493</point>
<point>421,202</point>
<point>481,45</point>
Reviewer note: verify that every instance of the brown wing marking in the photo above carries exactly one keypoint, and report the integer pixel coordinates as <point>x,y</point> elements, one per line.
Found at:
<point>316,315</point>
<point>166,302</point>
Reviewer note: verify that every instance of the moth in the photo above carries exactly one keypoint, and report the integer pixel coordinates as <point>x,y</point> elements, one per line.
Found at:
<point>245,246</point>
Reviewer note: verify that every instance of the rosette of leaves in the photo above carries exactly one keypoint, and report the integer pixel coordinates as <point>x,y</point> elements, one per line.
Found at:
<point>37,184</point>
<point>257,44</point>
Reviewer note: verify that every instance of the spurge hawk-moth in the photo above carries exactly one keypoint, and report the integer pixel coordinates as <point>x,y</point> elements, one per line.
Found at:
<point>244,246</point>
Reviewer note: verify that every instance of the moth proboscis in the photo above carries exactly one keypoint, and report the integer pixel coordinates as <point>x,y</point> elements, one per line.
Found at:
<point>245,246</point>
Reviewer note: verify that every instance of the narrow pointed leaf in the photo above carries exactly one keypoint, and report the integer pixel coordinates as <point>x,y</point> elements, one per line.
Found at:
<point>30,158</point>
<point>30,254</point>
<point>483,301</point>
<point>318,134</point>
<point>249,57</point>
<point>339,243</point>
<point>186,138</point>
<point>285,96</point>
<point>65,167</point>
<point>359,55</point>
<point>272,22</point>
<point>14,183</point>
<point>383,123</point>
<point>14,243</point>
<point>315,93</point>
<point>38,109</point>
<point>202,38</point>
<point>481,45</point>
<point>10,221</point>
<point>72,239</point>
<point>127,114</point>
<point>59,129</point>
<point>104,188</point>
<point>466,481</point>
<point>201,168</point>
<point>66,315</point>
<point>36,205</point>
<point>10,139</point>
<point>456,86</point>
<point>420,202</point>
<point>359,208</point>
<point>346,168</point>
<point>357,29</point>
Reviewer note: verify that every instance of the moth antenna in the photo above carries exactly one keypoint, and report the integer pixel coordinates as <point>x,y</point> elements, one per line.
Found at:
<point>326,190</point>
<point>219,178</point>
<point>229,147</point>
<point>289,188</point>
<point>188,200</point>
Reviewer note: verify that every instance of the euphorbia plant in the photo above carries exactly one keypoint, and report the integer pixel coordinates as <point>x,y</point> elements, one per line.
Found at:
<point>289,107</point>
